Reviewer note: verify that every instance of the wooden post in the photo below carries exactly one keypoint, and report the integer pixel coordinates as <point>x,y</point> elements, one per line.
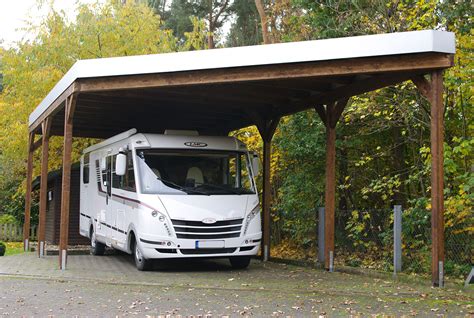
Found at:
<point>437,176</point>
<point>29,176</point>
<point>330,116</point>
<point>45,125</point>
<point>267,130</point>
<point>66,180</point>
<point>266,197</point>
<point>433,91</point>
<point>330,196</point>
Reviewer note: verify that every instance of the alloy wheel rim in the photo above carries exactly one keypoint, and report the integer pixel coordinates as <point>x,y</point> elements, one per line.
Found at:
<point>138,255</point>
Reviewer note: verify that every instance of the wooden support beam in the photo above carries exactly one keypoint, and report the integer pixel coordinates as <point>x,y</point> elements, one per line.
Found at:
<point>29,177</point>
<point>330,196</point>
<point>423,85</point>
<point>330,116</point>
<point>266,199</point>
<point>66,180</point>
<point>339,107</point>
<point>381,64</point>
<point>358,87</point>
<point>46,127</point>
<point>55,107</point>
<point>437,176</point>
<point>267,129</point>
<point>36,144</point>
<point>321,112</point>
<point>432,90</point>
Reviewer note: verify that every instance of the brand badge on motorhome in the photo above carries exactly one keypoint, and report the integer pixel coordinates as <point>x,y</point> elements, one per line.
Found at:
<point>209,221</point>
<point>195,144</point>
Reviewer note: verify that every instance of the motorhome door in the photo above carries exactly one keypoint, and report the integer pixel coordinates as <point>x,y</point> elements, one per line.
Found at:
<point>103,226</point>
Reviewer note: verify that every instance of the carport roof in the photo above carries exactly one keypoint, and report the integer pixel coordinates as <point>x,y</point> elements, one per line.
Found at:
<point>216,91</point>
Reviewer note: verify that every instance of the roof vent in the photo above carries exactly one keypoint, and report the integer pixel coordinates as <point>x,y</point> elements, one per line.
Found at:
<point>181,132</point>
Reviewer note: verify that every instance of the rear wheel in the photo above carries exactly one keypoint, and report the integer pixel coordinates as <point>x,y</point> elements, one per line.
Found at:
<point>97,248</point>
<point>141,262</point>
<point>239,262</point>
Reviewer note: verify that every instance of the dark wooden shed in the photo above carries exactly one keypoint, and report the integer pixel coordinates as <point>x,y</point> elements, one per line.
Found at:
<point>53,206</point>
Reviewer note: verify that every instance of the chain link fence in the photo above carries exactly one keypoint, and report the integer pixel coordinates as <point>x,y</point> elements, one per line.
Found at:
<point>365,239</point>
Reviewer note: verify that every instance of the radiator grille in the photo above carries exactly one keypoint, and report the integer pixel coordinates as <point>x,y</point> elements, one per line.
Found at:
<point>200,231</point>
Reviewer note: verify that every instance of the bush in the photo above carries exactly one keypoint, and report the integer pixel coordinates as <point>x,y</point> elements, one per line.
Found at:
<point>3,248</point>
<point>7,219</point>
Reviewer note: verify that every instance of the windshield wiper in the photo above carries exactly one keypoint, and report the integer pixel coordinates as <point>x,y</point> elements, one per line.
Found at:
<point>221,188</point>
<point>178,187</point>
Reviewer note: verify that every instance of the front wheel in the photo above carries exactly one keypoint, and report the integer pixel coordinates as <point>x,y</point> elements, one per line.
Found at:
<point>97,248</point>
<point>141,262</point>
<point>239,262</point>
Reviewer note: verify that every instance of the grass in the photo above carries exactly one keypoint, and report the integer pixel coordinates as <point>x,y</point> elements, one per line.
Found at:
<point>14,248</point>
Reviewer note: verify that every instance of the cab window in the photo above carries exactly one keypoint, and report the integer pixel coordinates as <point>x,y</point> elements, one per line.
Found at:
<point>127,181</point>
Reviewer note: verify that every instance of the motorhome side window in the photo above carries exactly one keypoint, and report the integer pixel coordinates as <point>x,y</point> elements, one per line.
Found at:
<point>238,172</point>
<point>127,181</point>
<point>85,169</point>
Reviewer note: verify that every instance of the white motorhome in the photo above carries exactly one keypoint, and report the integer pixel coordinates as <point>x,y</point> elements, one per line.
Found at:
<point>172,195</point>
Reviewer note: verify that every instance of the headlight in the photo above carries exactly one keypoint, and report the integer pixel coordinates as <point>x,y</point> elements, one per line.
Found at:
<point>256,210</point>
<point>162,219</point>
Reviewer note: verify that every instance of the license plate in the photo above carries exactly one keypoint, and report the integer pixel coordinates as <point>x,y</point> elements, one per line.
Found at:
<point>210,244</point>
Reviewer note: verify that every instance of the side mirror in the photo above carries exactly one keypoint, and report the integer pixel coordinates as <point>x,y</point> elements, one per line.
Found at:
<point>255,163</point>
<point>121,164</point>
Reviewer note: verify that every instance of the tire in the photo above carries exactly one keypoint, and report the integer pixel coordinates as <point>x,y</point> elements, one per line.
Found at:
<point>239,262</point>
<point>141,262</point>
<point>97,248</point>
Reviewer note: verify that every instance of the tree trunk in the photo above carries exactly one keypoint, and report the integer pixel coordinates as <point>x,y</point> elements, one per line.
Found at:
<point>210,36</point>
<point>210,41</point>
<point>264,20</point>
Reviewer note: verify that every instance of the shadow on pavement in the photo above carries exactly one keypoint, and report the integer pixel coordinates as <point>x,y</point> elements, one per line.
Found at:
<point>181,264</point>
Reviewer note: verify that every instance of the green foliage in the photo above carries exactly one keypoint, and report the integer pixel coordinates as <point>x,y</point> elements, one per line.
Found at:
<point>300,191</point>
<point>383,154</point>
<point>179,18</point>
<point>245,30</point>
<point>181,14</point>
<point>13,248</point>
<point>31,70</point>
<point>7,219</point>
<point>196,39</point>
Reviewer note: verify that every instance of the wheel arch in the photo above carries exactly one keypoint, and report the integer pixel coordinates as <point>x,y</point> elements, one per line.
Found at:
<point>131,234</point>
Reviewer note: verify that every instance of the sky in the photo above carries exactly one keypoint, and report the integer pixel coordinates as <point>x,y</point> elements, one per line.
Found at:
<point>15,13</point>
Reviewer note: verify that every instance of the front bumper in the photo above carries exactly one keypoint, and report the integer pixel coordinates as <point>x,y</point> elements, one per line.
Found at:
<point>166,247</point>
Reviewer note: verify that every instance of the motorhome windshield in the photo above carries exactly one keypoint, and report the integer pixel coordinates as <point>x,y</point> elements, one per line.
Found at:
<point>202,172</point>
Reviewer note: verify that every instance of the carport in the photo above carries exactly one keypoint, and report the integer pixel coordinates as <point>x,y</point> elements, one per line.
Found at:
<point>218,91</point>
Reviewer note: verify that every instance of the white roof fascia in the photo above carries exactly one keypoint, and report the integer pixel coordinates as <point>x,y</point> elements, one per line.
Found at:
<point>291,52</point>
